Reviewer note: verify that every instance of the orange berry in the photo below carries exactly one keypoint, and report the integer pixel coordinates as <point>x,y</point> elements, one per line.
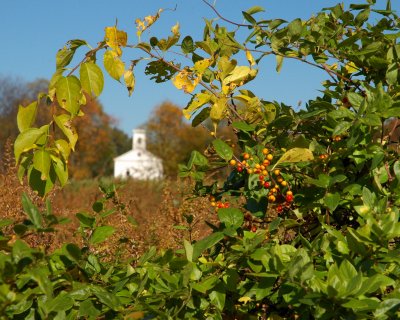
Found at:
<point>265,151</point>
<point>279,179</point>
<point>277,172</point>
<point>274,190</point>
<point>266,162</point>
<point>246,156</point>
<point>249,171</point>
<point>271,198</point>
<point>270,157</point>
<point>289,193</point>
<point>257,166</point>
<point>213,204</point>
<point>284,183</point>
<point>244,162</point>
<point>232,162</point>
<point>265,172</point>
<point>262,167</point>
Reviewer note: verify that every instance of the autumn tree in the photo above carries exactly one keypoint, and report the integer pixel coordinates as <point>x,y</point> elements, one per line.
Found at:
<point>171,138</point>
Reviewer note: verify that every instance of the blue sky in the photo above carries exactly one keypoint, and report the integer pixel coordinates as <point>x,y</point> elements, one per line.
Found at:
<point>31,32</point>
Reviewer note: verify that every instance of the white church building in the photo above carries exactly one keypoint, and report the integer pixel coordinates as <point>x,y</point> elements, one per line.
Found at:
<point>138,163</point>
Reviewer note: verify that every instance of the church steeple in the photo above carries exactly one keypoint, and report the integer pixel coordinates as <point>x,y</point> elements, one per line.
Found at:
<point>139,139</point>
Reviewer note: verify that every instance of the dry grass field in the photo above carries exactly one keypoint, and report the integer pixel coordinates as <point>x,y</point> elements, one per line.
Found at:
<point>146,212</point>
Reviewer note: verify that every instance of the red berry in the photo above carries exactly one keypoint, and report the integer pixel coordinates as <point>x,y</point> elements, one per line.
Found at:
<point>279,208</point>
<point>289,198</point>
<point>266,185</point>
<point>240,169</point>
<point>261,177</point>
<point>253,229</point>
<point>226,205</point>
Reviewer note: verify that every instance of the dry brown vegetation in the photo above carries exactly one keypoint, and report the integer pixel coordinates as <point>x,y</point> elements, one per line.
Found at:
<point>157,207</point>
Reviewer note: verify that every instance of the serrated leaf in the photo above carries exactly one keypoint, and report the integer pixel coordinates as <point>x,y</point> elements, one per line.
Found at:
<point>222,149</point>
<point>129,79</point>
<point>68,91</point>
<point>26,116</point>
<point>113,64</point>
<point>296,155</point>
<point>92,79</point>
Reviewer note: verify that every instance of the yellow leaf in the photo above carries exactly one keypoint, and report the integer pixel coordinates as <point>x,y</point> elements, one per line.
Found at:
<point>332,66</point>
<point>175,29</point>
<point>115,38</point>
<point>182,81</point>
<point>351,67</point>
<point>250,58</point>
<point>296,155</point>
<point>218,109</point>
<point>129,79</point>
<point>201,66</point>
<point>244,299</point>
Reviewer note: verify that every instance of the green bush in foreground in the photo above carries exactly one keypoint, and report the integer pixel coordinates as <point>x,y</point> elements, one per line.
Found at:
<point>309,216</point>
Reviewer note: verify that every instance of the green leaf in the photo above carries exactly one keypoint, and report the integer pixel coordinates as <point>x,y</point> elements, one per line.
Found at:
<point>32,211</point>
<point>341,128</point>
<point>295,28</point>
<point>188,250</point>
<point>62,302</point>
<point>113,64</point>
<point>41,162</point>
<point>331,200</point>
<point>64,122</point>
<point>255,9</point>
<point>296,155</point>
<point>64,57</point>
<point>85,220</point>
<point>386,305</point>
<point>26,116</point>
<point>101,234</point>
<point>27,140</point>
<point>92,78</point>
<point>279,62</point>
<point>187,45</point>
<point>231,217</point>
<point>61,170</point>
<point>355,99</point>
<point>107,298</point>
<point>36,182</point>
<point>203,115</point>
<point>206,284</point>
<point>243,126</point>
<point>217,298</point>
<point>223,150</point>
<point>68,91</point>
<point>197,159</point>
<point>206,243</point>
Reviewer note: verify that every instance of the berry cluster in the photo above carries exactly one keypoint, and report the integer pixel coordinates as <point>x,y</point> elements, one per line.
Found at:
<point>278,188</point>
<point>218,204</point>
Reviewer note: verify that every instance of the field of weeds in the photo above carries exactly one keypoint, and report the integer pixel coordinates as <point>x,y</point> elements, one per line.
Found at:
<point>144,213</point>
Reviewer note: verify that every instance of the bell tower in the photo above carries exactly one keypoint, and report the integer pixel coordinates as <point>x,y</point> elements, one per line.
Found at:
<point>139,139</point>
